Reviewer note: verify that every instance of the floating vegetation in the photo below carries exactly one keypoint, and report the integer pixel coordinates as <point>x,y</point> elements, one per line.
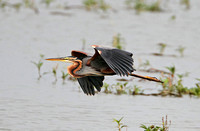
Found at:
<point>144,65</point>
<point>39,65</point>
<point>172,70</point>
<point>66,75</point>
<point>96,4</point>
<point>47,2</point>
<point>176,88</point>
<point>173,17</point>
<point>142,5</point>
<point>181,50</point>
<point>186,3</point>
<point>120,88</point>
<point>172,86</point>
<point>28,3</point>
<point>165,126</point>
<point>103,6</point>
<point>119,124</point>
<point>90,4</point>
<point>16,6</point>
<point>54,71</point>
<point>137,90</point>
<point>25,3</point>
<point>182,90</point>
<point>161,47</point>
<point>168,86</point>
<point>108,89</point>
<point>2,4</point>
<point>118,42</point>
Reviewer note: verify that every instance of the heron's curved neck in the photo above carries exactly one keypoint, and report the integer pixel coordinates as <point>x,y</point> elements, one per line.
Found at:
<point>76,66</point>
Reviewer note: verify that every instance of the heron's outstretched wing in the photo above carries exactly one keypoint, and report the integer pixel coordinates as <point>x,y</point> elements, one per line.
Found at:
<point>121,62</point>
<point>89,82</point>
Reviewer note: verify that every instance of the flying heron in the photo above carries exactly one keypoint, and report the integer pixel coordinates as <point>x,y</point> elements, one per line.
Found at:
<point>90,70</point>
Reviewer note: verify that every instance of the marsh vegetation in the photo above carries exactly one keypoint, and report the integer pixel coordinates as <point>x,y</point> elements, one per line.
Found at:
<point>163,36</point>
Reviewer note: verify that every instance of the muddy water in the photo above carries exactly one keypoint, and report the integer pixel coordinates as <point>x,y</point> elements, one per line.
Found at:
<point>28,104</point>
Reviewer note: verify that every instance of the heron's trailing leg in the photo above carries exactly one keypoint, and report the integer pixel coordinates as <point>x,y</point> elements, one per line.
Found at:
<point>146,78</point>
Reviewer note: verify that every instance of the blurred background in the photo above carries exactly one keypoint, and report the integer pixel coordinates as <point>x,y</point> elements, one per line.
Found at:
<point>163,36</point>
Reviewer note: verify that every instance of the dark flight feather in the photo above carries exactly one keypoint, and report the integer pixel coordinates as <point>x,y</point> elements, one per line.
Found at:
<point>121,62</point>
<point>89,82</point>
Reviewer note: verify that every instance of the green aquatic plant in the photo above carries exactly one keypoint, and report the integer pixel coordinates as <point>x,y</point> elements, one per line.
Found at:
<point>164,127</point>
<point>172,70</point>
<point>181,50</point>
<point>144,64</point>
<point>118,42</point>
<point>142,5</point>
<point>17,6</point>
<point>3,4</point>
<point>162,47</point>
<point>47,2</point>
<point>177,89</point>
<point>103,6</point>
<point>89,4</point>
<point>150,128</point>
<point>119,124</point>
<point>54,71</point>
<point>39,65</point>
<point>169,80</point>
<point>137,90</point>
<point>139,5</point>
<point>180,76</point>
<point>173,17</point>
<point>154,7</point>
<point>195,90</point>
<point>64,76</point>
<point>120,88</point>
<point>129,4</point>
<point>96,4</point>
<point>186,3</point>
<point>107,89</point>
<point>180,89</point>
<point>30,4</point>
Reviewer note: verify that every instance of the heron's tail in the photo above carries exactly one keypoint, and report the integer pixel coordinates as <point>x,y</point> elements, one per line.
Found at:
<point>146,78</point>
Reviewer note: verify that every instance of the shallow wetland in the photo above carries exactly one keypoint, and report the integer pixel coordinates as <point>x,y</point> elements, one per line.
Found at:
<point>54,102</point>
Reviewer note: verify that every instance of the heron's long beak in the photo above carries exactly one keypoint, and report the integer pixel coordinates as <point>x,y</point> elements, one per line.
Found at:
<point>63,59</point>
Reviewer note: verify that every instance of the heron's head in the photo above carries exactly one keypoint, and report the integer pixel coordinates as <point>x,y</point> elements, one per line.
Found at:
<point>64,59</point>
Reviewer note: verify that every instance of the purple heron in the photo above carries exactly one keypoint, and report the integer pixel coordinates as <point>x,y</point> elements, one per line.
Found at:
<point>90,70</point>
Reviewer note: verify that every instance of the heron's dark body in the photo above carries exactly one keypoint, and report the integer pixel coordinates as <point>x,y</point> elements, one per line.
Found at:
<point>90,70</point>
